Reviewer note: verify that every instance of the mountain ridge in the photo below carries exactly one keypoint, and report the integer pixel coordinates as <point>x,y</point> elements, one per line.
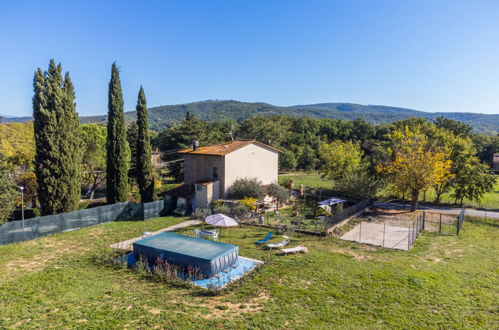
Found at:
<point>210,110</point>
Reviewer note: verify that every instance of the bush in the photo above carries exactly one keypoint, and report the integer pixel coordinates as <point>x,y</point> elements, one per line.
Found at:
<point>357,186</point>
<point>221,209</point>
<point>247,187</point>
<point>280,194</point>
<point>249,202</point>
<point>240,212</point>
<point>200,213</point>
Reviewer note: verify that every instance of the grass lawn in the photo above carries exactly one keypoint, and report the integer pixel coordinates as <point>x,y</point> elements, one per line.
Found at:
<point>312,180</point>
<point>442,282</point>
<point>490,200</point>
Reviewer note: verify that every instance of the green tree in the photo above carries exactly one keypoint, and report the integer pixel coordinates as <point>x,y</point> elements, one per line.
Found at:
<point>341,159</point>
<point>144,172</point>
<point>280,194</point>
<point>454,126</point>
<point>57,141</point>
<point>94,156</point>
<point>8,192</point>
<point>132,136</point>
<point>413,163</point>
<point>472,181</point>
<point>287,161</point>
<point>247,187</point>
<point>117,163</point>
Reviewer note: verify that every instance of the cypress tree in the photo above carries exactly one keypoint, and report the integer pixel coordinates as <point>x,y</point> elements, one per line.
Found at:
<point>116,145</point>
<point>71,148</point>
<point>57,141</point>
<point>144,172</point>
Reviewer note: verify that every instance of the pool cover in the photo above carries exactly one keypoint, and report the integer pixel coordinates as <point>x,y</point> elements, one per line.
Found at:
<point>207,256</point>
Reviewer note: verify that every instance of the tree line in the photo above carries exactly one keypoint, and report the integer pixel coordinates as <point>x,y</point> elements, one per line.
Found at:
<point>53,155</point>
<point>409,156</point>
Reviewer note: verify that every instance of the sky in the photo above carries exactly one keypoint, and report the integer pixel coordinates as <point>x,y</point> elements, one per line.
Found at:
<point>436,55</point>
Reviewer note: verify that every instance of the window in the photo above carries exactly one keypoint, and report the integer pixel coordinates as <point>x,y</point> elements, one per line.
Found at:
<point>199,187</point>
<point>215,173</point>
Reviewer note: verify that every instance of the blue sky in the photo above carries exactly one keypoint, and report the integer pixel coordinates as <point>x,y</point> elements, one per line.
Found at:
<point>428,55</point>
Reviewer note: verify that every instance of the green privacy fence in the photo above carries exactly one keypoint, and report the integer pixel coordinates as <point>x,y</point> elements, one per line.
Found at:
<point>18,231</point>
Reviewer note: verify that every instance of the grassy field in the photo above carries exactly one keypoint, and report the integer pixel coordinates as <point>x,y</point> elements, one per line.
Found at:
<point>312,180</point>
<point>442,282</point>
<point>489,200</point>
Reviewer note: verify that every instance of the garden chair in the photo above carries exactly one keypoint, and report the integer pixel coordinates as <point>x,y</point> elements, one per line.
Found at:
<point>266,239</point>
<point>197,233</point>
<point>296,249</point>
<point>281,244</point>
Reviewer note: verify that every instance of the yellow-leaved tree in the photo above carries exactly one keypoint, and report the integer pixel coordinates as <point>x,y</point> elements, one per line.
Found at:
<point>413,163</point>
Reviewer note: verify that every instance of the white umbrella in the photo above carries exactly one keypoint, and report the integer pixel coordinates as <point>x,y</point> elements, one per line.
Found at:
<point>220,220</point>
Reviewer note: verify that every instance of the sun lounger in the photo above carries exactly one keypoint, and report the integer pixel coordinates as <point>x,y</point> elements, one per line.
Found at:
<point>266,239</point>
<point>296,249</point>
<point>278,245</point>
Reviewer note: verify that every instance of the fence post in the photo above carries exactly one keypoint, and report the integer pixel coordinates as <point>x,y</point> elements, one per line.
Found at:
<point>409,237</point>
<point>360,231</point>
<point>440,224</point>
<point>424,219</point>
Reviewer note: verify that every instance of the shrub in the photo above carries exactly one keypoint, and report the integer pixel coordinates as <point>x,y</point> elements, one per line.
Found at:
<point>247,187</point>
<point>249,202</point>
<point>200,213</point>
<point>221,209</point>
<point>280,194</point>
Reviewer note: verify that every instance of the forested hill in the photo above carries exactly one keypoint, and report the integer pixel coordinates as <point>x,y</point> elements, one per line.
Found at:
<point>162,116</point>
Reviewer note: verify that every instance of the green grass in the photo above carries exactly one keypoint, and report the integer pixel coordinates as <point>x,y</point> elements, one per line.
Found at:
<point>442,282</point>
<point>312,180</point>
<point>490,200</point>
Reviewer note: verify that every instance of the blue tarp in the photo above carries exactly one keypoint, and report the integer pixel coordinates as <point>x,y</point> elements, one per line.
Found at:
<point>332,201</point>
<point>208,256</point>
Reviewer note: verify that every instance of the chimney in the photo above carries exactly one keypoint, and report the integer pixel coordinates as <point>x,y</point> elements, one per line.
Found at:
<point>195,145</point>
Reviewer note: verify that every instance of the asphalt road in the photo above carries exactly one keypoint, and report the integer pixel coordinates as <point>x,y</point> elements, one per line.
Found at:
<point>438,209</point>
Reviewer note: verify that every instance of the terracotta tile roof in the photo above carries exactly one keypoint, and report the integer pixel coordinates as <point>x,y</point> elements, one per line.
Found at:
<point>225,148</point>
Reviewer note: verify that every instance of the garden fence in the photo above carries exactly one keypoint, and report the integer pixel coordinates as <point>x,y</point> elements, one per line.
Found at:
<point>18,231</point>
<point>444,224</point>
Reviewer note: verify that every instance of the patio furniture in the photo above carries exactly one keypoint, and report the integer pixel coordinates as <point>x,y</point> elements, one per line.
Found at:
<point>220,220</point>
<point>197,233</point>
<point>296,249</point>
<point>266,239</point>
<point>278,245</point>
<point>212,234</point>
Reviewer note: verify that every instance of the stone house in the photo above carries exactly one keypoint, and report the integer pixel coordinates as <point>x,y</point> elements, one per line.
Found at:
<point>210,171</point>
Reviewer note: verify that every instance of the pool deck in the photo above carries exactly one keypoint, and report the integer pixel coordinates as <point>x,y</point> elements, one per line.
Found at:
<point>128,244</point>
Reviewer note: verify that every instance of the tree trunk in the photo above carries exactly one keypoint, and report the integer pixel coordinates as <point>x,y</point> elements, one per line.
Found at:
<point>414,203</point>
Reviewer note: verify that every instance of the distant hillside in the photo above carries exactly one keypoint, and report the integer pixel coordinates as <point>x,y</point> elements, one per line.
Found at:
<point>162,116</point>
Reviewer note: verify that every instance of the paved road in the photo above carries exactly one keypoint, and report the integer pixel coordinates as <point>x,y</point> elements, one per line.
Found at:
<point>438,209</point>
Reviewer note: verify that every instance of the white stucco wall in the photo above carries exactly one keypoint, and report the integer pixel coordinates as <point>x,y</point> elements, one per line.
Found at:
<point>251,161</point>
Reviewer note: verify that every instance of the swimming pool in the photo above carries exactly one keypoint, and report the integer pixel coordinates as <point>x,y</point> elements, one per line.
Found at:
<point>208,257</point>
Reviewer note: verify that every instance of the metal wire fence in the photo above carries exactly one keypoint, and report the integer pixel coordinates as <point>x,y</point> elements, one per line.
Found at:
<point>403,237</point>
<point>444,224</point>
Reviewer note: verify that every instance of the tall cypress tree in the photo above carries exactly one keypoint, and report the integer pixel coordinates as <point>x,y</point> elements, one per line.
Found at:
<point>57,141</point>
<point>116,145</point>
<point>71,148</point>
<point>144,172</point>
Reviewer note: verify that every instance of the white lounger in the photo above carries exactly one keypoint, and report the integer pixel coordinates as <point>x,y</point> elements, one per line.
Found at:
<point>278,245</point>
<point>296,249</point>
